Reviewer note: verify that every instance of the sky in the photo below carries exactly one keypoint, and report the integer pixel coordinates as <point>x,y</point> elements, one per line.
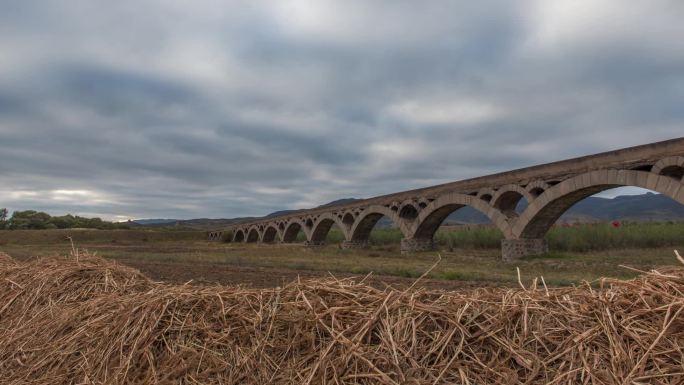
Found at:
<point>176,109</point>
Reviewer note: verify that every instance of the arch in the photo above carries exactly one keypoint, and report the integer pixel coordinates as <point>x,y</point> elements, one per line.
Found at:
<point>642,167</point>
<point>538,218</point>
<point>348,221</point>
<point>507,198</point>
<point>369,218</point>
<point>270,234</point>
<point>292,229</point>
<point>537,188</point>
<point>239,236</point>
<point>486,194</point>
<point>323,225</point>
<point>253,235</point>
<point>309,223</point>
<point>436,212</point>
<point>423,203</point>
<point>672,166</point>
<point>408,210</point>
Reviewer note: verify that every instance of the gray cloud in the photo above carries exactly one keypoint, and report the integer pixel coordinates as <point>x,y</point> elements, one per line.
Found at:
<point>157,108</point>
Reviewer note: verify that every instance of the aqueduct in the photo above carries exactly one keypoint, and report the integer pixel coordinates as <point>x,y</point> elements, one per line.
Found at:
<point>550,189</point>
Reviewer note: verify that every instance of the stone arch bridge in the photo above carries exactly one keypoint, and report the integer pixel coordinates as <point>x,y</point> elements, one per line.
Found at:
<point>550,189</point>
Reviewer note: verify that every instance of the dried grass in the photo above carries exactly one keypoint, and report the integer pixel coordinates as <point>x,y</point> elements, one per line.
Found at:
<point>6,259</point>
<point>94,322</point>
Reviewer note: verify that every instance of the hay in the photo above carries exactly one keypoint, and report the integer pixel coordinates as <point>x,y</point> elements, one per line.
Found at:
<point>43,284</point>
<point>6,260</point>
<point>330,331</point>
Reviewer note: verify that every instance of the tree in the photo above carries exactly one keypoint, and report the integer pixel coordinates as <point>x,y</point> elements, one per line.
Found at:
<point>3,218</point>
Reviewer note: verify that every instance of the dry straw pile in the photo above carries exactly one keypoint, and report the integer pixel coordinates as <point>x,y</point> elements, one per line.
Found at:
<point>89,321</point>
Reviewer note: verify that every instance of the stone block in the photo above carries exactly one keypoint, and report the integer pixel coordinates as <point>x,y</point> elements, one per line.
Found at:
<point>410,245</point>
<point>350,245</point>
<point>596,177</point>
<point>512,249</point>
<point>631,177</point>
<point>663,183</point>
<point>673,188</point>
<point>642,179</point>
<point>584,181</point>
<point>652,181</point>
<point>314,244</point>
<point>621,177</point>
<point>567,186</point>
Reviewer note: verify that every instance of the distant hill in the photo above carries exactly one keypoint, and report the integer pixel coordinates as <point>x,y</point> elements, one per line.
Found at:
<point>338,202</point>
<point>202,223</point>
<point>646,207</point>
<point>147,222</point>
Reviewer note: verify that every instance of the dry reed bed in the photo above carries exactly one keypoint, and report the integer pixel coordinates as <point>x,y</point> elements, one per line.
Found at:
<point>89,321</point>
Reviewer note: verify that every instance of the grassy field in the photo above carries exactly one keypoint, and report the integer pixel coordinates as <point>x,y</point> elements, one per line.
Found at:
<point>578,253</point>
<point>577,238</point>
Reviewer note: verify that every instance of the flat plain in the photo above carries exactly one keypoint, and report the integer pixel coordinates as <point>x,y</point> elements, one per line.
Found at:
<point>186,256</point>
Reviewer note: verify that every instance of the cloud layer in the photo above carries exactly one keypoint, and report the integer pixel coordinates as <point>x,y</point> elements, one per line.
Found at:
<point>153,108</point>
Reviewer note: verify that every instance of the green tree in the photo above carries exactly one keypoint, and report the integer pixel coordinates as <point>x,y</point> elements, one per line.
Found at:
<point>3,218</point>
<point>29,219</point>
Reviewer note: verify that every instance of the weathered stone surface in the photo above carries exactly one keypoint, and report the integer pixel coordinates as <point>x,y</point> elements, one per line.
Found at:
<point>314,244</point>
<point>354,244</point>
<point>512,249</point>
<point>411,245</point>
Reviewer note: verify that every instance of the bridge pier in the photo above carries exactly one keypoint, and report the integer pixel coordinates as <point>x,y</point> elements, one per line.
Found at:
<point>512,249</point>
<point>410,245</point>
<point>348,245</point>
<point>314,244</point>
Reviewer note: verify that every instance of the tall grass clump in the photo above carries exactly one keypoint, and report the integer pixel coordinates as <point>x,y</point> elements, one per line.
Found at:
<point>485,237</point>
<point>602,236</point>
<point>387,236</point>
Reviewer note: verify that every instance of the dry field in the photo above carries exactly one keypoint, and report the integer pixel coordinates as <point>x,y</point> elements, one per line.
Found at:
<point>184,256</point>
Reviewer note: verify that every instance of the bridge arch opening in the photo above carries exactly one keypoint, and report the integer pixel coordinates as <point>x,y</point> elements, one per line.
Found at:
<point>239,236</point>
<point>327,231</point>
<point>270,234</point>
<point>572,195</point>
<point>536,191</point>
<point>294,233</point>
<point>408,211</point>
<point>348,220</point>
<point>512,200</point>
<point>676,172</point>
<point>377,227</point>
<point>452,217</point>
<point>253,236</point>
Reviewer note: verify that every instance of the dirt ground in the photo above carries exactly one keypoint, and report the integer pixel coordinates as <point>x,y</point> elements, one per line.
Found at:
<point>262,277</point>
<point>181,257</point>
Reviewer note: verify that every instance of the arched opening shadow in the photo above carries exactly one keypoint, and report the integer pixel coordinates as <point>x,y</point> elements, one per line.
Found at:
<point>294,233</point>
<point>460,227</point>
<point>613,220</point>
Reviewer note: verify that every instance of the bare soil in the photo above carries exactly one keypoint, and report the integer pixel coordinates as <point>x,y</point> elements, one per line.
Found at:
<point>261,277</point>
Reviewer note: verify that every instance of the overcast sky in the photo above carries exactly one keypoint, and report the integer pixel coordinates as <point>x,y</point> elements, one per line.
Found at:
<point>169,108</point>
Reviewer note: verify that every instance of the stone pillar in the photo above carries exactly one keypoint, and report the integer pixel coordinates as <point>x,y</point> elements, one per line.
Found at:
<point>409,245</point>
<point>512,249</point>
<point>314,244</point>
<point>354,244</point>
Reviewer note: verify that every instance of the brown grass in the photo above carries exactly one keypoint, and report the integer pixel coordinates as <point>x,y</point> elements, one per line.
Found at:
<point>91,321</point>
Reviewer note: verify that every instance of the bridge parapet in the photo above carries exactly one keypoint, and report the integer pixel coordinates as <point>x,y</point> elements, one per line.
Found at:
<point>549,190</point>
